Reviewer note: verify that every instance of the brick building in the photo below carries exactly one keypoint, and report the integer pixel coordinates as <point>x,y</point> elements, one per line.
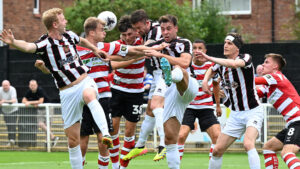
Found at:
<point>253,17</point>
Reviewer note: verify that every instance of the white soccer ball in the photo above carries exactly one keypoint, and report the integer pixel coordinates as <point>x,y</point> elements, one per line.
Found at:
<point>110,19</point>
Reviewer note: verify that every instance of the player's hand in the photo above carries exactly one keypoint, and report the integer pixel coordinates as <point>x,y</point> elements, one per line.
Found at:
<point>204,56</point>
<point>222,94</point>
<point>27,104</point>
<point>195,128</point>
<point>198,56</point>
<point>7,36</point>
<point>101,54</point>
<point>39,63</point>
<point>219,111</point>
<point>153,53</point>
<point>161,46</point>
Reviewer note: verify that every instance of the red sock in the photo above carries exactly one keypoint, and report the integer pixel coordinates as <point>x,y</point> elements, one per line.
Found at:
<point>291,161</point>
<point>103,161</point>
<point>114,152</point>
<point>271,160</point>
<point>128,145</point>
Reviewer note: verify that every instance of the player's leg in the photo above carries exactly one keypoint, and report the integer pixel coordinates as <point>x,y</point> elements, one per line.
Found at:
<point>73,134</point>
<point>84,140</point>
<point>292,146</point>
<point>254,122</point>
<point>103,156</point>
<point>114,151</point>
<point>129,141</point>
<point>270,148</point>
<point>209,123</point>
<point>186,126</point>
<point>172,127</point>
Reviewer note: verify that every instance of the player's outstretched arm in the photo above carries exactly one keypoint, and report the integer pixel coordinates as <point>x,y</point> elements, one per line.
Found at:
<point>224,62</point>
<point>7,37</point>
<point>99,53</point>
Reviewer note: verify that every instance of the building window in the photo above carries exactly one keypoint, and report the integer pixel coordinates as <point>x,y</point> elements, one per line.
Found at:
<point>36,8</point>
<point>233,7</point>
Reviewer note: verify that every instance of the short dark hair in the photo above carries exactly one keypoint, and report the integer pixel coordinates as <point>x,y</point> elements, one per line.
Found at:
<point>200,41</point>
<point>124,23</point>
<point>138,16</point>
<point>238,41</point>
<point>278,59</point>
<point>168,18</point>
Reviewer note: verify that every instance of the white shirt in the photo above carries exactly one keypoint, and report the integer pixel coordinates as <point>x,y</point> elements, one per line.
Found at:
<point>9,95</point>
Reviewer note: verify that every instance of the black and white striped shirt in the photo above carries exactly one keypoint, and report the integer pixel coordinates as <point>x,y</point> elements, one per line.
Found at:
<point>154,32</point>
<point>176,48</point>
<point>239,85</point>
<point>61,57</point>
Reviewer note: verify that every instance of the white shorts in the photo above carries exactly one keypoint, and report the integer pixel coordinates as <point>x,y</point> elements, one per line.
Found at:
<point>158,86</point>
<point>237,122</point>
<point>175,104</point>
<point>72,101</point>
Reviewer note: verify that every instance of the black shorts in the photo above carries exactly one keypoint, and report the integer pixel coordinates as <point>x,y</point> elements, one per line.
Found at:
<point>290,135</point>
<point>128,105</point>
<point>206,118</point>
<point>88,125</point>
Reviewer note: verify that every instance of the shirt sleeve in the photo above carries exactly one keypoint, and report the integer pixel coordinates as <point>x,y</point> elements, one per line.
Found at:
<point>41,46</point>
<point>215,67</point>
<point>247,58</point>
<point>74,36</point>
<point>270,79</point>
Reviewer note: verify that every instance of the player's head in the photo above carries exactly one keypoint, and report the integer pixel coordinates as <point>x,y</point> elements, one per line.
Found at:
<point>94,28</point>
<point>169,28</point>
<point>128,33</point>
<point>33,85</point>
<point>140,22</point>
<point>5,85</point>
<point>232,44</point>
<point>199,45</point>
<point>273,62</point>
<point>54,19</point>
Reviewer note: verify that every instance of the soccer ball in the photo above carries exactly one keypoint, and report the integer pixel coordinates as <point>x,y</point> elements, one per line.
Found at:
<point>110,19</point>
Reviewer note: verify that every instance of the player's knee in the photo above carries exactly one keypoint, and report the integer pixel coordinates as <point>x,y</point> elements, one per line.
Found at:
<point>89,95</point>
<point>218,151</point>
<point>248,145</point>
<point>73,142</point>
<point>181,138</point>
<point>170,140</point>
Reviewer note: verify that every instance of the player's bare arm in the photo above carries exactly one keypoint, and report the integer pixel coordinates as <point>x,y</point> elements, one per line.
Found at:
<point>224,62</point>
<point>7,37</point>
<point>208,75</point>
<point>183,61</point>
<point>216,91</point>
<point>41,66</point>
<point>85,43</point>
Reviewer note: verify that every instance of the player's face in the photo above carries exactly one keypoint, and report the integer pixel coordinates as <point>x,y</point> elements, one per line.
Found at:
<point>168,31</point>
<point>129,36</point>
<point>100,33</point>
<point>230,49</point>
<point>141,27</point>
<point>269,66</point>
<point>61,23</point>
<point>197,47</point>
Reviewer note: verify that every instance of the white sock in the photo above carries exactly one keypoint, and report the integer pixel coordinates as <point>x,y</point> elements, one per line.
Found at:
<point>75,157</point>
<point>103,161</point>
<point>115,165</point>
<point>253,158</point>
<point>173,157</point>
<point>158,113</point>
<point>215,162</point>
<point>177,75</point>
<point>99,116</point>
<point>146,129</point>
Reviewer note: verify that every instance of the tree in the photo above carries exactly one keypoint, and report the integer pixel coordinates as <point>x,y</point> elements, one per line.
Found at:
<point>202,23</point>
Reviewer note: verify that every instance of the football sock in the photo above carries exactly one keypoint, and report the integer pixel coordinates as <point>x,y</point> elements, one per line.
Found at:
<point>75,157</point>
<point>173,157</point>
<point>253,158</point>
<point>146,129</point>
<point>158,113</point>
<point>271,160</point>
<point>98,116</point>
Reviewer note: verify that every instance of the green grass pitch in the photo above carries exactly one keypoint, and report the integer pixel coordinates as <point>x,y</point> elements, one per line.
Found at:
<point>60,160</point>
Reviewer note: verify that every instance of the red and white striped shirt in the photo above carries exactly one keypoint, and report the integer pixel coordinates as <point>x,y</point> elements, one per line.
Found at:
<point>283,96</point>
<point>99,69</point>
<point>202,100</point>
<point>130,79</point>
